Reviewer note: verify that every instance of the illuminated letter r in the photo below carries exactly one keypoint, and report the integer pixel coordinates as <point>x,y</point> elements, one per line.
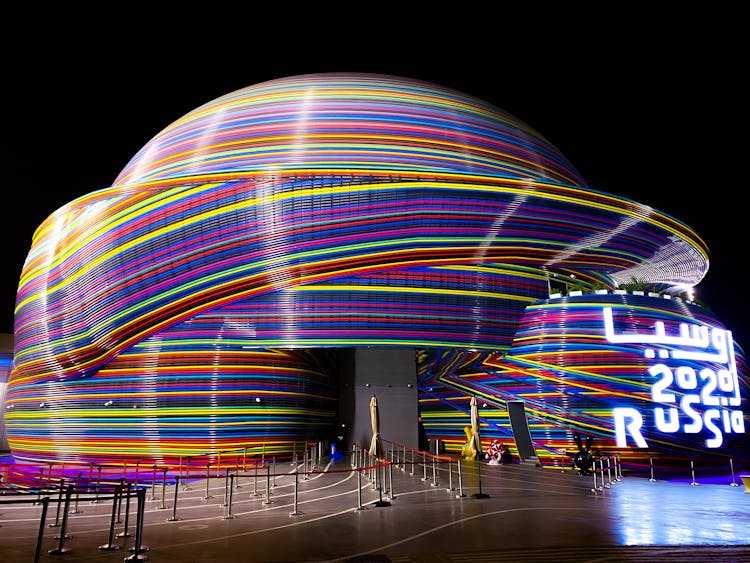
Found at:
<point>632,427</point>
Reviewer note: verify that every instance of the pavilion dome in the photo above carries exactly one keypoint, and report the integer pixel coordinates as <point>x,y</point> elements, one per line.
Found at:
<point>349,124</point>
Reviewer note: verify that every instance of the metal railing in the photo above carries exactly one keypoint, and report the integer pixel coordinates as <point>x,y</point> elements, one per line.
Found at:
<point>64,486</point>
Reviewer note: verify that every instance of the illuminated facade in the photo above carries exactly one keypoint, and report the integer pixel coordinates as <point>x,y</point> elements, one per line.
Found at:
<point>197,303</point>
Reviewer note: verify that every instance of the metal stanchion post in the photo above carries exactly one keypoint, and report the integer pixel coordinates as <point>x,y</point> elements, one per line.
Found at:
<point>56,523</point>
<point>268,485</point>
<point>153,485</point>
<point>119,500</point>
<point>609,472</point>
<point>304,476</point>
<point>274,470</point>
<point>460,482</point>
<point>163,489</point>
<point>255,479</point>
<point>98,482</point>
<point>109,546</point>
<point>125,533</point>
<point>208,478</point>
<point>692,472</point>
<point>601,471</point>
<point>390,481</point>
<point>434,473</point>
<point>295,512</point>
<point>63,536</point>
<point>40,534</point>
<point>140,498</point>
<point>226,488</point>
<point>229,515</point>
<point>186,482</point>
<point>651,463</point>
<point>480,494</point>
<point>594,474</point>
<point>359,489</point>
<point>78,490</point>
<point>450,475</point>
<point>424,467</point>
<point>39,486</point>
<point>137,547</point>
<point>379,484</point>
<point>174,517</point>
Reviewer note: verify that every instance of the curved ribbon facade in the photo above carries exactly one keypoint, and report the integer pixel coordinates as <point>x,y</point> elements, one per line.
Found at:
<point>191,306</point>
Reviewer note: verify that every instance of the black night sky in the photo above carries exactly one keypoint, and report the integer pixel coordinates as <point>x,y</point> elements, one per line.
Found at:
<point>647,106</point>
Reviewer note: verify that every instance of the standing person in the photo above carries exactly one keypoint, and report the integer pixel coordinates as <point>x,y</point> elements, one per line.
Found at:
<point>505,456</point>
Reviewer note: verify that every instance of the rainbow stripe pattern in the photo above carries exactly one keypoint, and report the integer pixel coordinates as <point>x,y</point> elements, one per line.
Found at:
<point>192,305</point>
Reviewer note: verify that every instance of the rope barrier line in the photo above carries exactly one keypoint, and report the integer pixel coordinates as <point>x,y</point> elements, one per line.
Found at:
<point>100,486</point>
<point>401,456</point>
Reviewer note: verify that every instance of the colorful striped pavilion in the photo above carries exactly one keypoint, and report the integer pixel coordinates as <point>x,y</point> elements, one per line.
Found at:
<point>198,303</point>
